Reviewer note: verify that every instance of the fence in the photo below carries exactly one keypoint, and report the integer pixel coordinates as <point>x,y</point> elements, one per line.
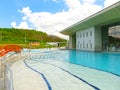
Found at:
<point>6,74</point>
<point>8,78</point>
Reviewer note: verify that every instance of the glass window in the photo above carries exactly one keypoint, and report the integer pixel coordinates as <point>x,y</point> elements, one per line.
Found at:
<point>86,34</point>
<point>90,45</point>
<point>83,45</point>
<point>87,45</point>
<point>114,37</point>
<point>114,32</point>
<point>90,33</point>
<point>83,35</point>
<point>80,35</point>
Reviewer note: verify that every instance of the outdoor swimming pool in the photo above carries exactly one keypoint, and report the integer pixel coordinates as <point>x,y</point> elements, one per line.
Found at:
<point>96,70</point>
<point>108,62</point>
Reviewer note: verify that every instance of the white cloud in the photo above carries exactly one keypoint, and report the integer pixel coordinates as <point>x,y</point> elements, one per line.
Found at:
<point>53,23</point>
<point>73,4</point>
<point>109,2</point>
<point>13,24</point>
<point>89,1</point>
<point>22,25</point>
<point>26,10</point>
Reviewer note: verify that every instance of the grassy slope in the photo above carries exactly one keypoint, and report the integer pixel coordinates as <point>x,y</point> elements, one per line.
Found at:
<point>17,36</point>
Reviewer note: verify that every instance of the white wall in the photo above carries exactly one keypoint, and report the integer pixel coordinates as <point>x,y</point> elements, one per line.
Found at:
<point>89,39</point>
<point>85,39</point>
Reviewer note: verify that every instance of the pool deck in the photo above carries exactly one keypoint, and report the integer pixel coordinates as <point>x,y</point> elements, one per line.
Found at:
<point>1,84</point>
<point>26,79</point>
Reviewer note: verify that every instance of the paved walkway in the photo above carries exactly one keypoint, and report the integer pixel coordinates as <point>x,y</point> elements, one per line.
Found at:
<point>1,77</point>
<point>26,79</point>
<point>1,84</point>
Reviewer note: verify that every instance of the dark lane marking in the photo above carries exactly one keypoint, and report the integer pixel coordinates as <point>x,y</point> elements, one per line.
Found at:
<point>46,81</point>
<point>96,88</point>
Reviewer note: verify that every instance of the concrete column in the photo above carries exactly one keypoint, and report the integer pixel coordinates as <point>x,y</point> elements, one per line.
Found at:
<point>72,41</point>
<point>98,39</point>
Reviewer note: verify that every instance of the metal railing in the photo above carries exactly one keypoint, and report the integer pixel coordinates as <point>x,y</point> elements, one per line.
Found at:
<point>8,78</point>
<point>6,74</point>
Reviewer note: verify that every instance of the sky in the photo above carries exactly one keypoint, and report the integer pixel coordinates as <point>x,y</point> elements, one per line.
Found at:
<point>50,16</point>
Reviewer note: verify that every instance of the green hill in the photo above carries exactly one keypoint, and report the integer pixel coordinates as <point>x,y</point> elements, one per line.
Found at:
<point>25,36</point>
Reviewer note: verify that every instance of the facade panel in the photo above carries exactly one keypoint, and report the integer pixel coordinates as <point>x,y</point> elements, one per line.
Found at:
<point>85,39</point>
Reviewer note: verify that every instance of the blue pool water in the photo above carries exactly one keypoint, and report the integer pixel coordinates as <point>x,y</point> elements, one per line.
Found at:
<point>108,62</point>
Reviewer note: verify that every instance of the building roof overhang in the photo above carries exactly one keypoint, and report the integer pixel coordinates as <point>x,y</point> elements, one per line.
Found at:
<point>104,17</point>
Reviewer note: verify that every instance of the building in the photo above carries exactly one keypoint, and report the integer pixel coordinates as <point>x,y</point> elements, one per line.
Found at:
<point>99,32</point>
<point>32,44</point>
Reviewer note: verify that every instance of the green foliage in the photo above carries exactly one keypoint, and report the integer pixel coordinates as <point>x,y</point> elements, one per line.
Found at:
<point>24,36</point>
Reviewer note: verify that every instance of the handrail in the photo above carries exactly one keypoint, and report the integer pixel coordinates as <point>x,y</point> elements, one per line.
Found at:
<point>7,72</point>
<point>9,85</point>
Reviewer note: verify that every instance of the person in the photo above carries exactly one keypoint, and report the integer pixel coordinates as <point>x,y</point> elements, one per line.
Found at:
<point>58,45</point>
